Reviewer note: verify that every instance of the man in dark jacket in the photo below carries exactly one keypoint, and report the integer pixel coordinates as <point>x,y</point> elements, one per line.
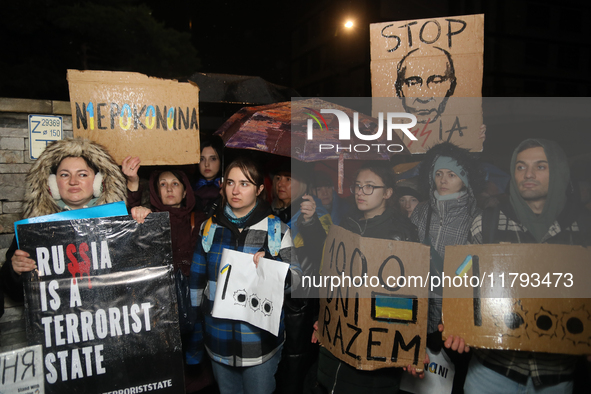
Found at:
<point>538,211</point>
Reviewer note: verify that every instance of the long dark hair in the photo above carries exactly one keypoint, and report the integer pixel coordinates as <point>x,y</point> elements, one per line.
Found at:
<point>216,143</point>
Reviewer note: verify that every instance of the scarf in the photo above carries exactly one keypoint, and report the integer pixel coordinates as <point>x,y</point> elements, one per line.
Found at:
<point>204,182</point>
<point>447,197</point>
<point>238,222</point>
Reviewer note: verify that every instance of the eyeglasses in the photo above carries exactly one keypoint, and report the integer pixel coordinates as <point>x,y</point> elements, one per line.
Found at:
<point>367,189</point>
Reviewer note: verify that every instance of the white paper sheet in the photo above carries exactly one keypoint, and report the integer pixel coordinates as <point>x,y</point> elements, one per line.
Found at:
<point>248,293</point>
<point>439,376</point>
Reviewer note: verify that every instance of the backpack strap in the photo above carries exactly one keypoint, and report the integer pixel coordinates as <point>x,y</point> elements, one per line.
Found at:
<point>490,224</point>
<point>274,234</point>
<point>208,234</point>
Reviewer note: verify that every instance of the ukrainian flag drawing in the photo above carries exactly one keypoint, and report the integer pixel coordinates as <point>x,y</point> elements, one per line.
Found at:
<point>402,309</point>
<point>465,266</point>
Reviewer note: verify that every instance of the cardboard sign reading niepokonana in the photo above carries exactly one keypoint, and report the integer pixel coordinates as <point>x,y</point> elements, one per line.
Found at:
<point>375,319</point>
<point>102,305</point>
<point>133,114</point>
<point>532,297</point>
<point>428,63</point>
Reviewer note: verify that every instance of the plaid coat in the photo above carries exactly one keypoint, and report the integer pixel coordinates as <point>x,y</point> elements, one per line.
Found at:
<point>233,342</point>
<point>451,219</point>
<point>544,368</point>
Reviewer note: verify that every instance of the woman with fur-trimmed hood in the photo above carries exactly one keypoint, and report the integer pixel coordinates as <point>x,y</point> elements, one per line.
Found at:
<point>70,174</point>
<point>450,177</point>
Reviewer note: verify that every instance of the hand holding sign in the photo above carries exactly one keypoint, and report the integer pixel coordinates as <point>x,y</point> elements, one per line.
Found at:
<point>257,256</point>
<point>455,343</point>
<point>250,293</point>
<point>22,263</point>
<point>139,213</point>
<point>314,338</point>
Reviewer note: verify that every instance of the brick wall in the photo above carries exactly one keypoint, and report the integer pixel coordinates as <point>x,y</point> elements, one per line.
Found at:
<point>14,165</point>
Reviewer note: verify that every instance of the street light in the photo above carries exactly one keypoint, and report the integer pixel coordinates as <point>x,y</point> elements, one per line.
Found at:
<point>349,24</point>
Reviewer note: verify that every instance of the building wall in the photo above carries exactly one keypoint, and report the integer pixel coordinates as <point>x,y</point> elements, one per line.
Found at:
<point>15,162</point>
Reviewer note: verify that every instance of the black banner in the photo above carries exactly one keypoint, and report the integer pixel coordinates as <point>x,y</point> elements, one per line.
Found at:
<point>102,305</point>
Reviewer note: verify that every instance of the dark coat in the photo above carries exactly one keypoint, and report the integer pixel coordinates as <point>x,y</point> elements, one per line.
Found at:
<point>207,201</point>
<point>340,209</point>
<point>389,225</point>
<point>184,229</point>
<point>299,353</point>
<point>182,235</point>
<point>205,197</point>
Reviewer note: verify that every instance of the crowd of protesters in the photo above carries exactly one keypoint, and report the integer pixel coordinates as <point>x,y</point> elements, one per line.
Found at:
<point>226,206</point>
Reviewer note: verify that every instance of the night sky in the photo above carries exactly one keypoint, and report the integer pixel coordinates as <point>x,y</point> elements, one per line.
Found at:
<point>255,39</point>
<point>236,37</point>
<point>41,40</point>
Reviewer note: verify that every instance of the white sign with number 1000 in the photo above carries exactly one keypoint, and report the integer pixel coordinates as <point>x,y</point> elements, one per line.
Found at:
<point>43,129</point>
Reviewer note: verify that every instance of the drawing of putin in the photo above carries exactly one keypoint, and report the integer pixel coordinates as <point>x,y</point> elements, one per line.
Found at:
<point>425,79</point>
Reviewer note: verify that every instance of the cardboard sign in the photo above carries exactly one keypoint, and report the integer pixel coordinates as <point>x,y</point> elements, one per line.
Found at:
<point>133,114</point>
<point>21,371</point>
<point>102,305</point>
<point>520,272</point>
<point>371,322</point>
<point>428,63</point>
<point>249,293</point>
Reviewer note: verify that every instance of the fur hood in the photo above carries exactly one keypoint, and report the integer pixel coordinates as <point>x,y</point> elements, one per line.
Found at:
<point>38,199</point>
<point>464,158</point>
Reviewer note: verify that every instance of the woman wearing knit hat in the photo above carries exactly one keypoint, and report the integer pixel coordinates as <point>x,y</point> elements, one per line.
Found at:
<point>450,177</point>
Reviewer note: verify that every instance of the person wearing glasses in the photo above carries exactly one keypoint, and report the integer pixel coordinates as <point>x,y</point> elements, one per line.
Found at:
<point>450,177</point>
<point>378,216</point>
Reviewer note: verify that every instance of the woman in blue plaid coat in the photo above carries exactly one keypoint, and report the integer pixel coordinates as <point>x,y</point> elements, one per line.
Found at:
<point>244,357</point>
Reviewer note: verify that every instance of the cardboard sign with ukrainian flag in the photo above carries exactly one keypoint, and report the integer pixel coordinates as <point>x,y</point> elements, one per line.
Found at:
<point>133,114</point>
<point>373,305</point>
